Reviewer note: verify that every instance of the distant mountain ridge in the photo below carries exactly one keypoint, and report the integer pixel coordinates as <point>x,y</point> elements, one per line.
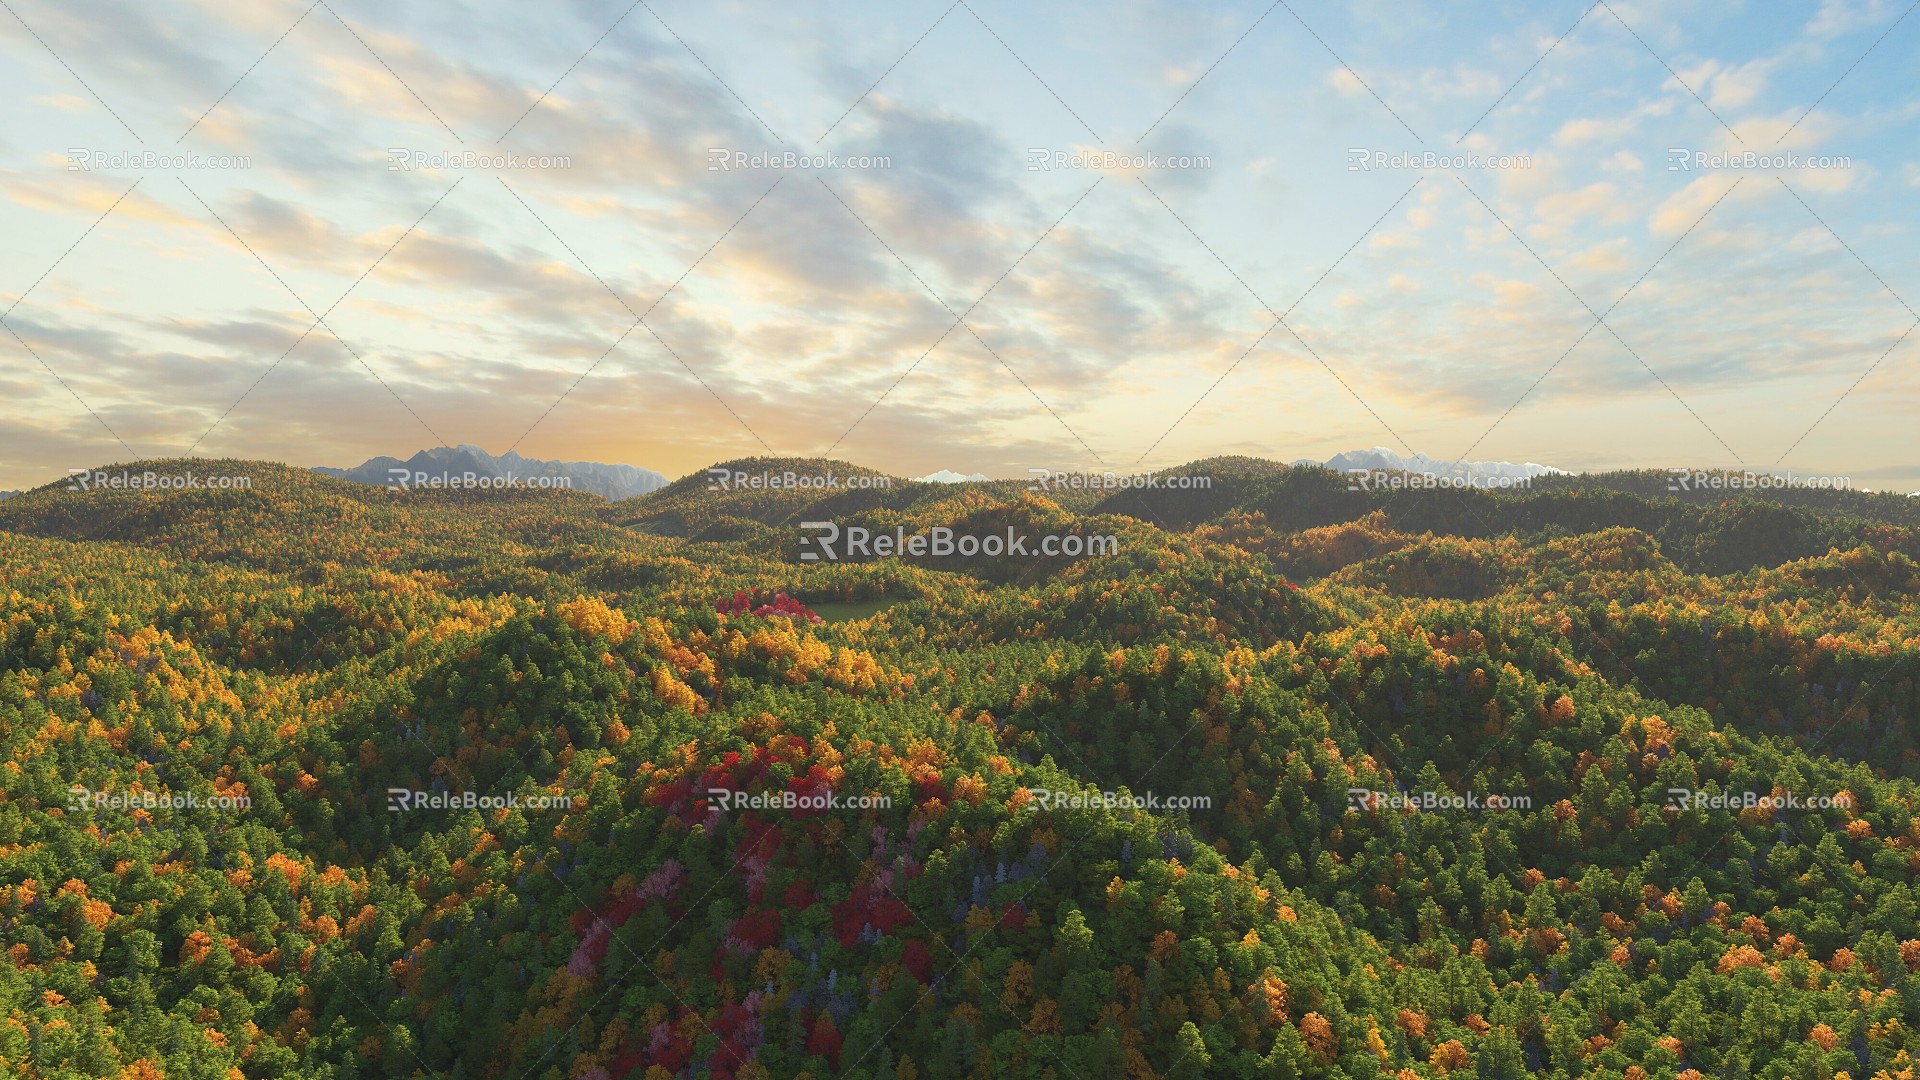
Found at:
<point>1381,458</point>
<point>612,482</point>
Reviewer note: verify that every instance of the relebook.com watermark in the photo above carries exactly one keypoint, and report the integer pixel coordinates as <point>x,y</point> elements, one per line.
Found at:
<point>405,799</point>
<point>407,159</point>
<point>832,542</point>
<point>1049,799</point>
<point>82,798</point>
<point>101,480</point>
<point>410,480</point>
<point>1050,480</point>
<point>83,159</point>
<point>1695,799</point>
<point>1369,799</point>
<point>1043,159</point>
<point>1388,480</point>
<point>727,159</point>
<point>725,799</point>
<point>1363,159</point>
<point>724,479</point>
<point>1687,159</point>
<point>1728,480</point>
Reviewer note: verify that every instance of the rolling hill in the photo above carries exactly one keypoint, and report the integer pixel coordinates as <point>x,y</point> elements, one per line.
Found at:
<point>1588,779</point>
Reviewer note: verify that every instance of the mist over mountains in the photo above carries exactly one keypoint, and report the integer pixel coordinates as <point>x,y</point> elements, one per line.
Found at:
<point>612,482</point>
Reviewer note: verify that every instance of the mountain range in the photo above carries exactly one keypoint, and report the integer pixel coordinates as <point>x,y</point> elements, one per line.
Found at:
<point>1375,459</point>
<point>616,482</point>
<point>612,482</point>
<point>1380,458</point>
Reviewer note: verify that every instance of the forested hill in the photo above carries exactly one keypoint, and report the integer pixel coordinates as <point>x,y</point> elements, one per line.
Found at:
<point>1297,778</point>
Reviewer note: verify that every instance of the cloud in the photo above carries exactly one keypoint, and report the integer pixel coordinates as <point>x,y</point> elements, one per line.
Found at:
<point>1557,216</point>
<point>1606,257</point>
<point>1738,86</point>
<point>1579,132</point>
<point>1460,81</point>
<point>1837,17</point>
<point>1346,82</point>
<point>91,196</point>
<point>1680,210</point>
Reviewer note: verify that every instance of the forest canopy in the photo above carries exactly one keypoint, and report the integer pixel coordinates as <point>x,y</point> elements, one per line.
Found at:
<point>1588,780</point>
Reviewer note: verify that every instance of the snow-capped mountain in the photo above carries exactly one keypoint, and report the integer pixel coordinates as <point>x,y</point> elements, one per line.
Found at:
<point>1381,458</point>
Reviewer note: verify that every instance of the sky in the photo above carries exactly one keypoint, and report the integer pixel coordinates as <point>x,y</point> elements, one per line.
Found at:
<point>209,245</point>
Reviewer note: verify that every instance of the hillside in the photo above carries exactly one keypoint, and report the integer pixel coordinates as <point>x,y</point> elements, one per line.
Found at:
<point>1294,780</point>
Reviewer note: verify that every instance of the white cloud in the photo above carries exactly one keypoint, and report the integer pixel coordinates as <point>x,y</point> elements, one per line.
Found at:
<point>1738,86</point>
<point>1837,17</point>
<point>1345,81</point>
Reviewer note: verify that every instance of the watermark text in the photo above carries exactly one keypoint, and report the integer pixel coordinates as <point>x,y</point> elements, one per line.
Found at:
<point>1695,799</point>
<point>832,542</point>
<point>1685,159</point>
<point>1048,799</point>
<point>724,479</point>
<point>1362,159</point>
<point>1060,480</point>
<point>1390,480</point>
<point>1042,159</point>
<point>399,479</point>
<point>725,799</point>
<point>83,159</point>
<point>1369,799</point>
<point>1728,480</point>
<point>400,800</point>
<point>94,480</point>
<point>407,159</point>
<point>81,798</point>
<point>725,159</point>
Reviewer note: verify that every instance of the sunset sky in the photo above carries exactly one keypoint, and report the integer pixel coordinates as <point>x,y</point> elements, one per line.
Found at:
<point>1761,317</point>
